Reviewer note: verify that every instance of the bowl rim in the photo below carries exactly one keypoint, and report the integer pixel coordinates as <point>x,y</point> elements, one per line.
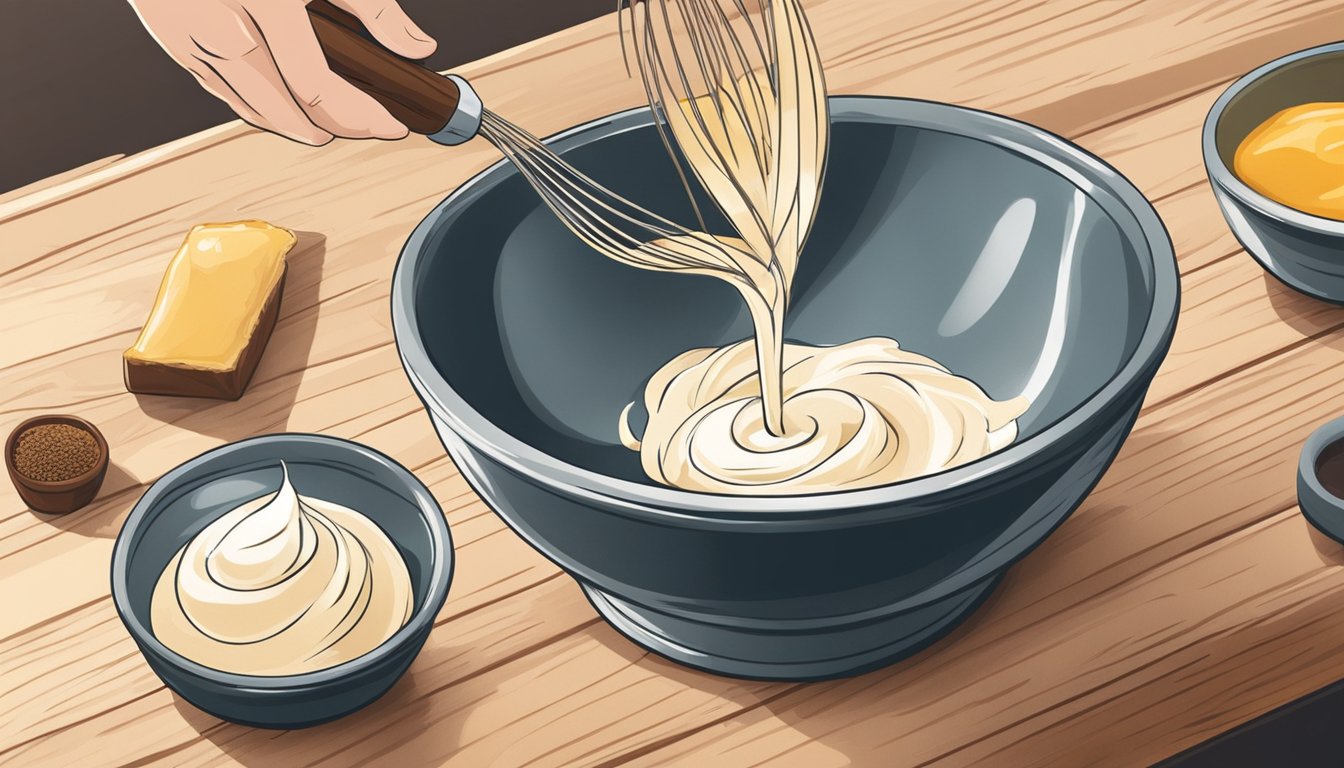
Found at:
<point>1312,496</point>
<point>421,621</point>
<point>1086,171</point>
<point>1224,177</point>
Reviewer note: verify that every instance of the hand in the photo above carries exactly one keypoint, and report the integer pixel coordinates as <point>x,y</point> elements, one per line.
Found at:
<point>263,60</point>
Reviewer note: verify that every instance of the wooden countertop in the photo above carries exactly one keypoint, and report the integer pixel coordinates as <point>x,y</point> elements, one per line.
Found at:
<point>1185,596</point>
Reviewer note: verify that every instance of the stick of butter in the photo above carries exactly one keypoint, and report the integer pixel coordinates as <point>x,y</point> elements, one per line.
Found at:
<point>215,311</point>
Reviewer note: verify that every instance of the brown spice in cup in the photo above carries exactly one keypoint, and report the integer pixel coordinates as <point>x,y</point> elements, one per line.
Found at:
<point>54,453</point>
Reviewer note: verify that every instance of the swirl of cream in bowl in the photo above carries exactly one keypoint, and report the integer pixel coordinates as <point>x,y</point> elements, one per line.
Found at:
<point>856,415</point>
<point>281,585</point>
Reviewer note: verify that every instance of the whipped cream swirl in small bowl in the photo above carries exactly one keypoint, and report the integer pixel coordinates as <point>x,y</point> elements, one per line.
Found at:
<point>281,585</point>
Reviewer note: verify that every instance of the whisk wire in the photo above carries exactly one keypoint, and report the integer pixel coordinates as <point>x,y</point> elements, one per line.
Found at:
<point>668,90</point>
<point>599,216</point>
<point>719,95</point>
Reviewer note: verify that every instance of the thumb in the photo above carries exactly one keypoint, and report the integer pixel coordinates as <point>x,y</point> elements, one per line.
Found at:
<point>390,26</point>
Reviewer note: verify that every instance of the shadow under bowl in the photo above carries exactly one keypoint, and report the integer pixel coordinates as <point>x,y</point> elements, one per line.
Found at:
<point>1002,251</point>
<point>1304,251</point>
<point>190,497</point>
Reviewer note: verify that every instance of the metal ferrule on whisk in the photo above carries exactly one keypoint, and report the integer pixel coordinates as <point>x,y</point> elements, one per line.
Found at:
<point>466,121</point>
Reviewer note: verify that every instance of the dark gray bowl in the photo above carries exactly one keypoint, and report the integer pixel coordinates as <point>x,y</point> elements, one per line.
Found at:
<point>1306,252</point>
<point>1322,508</point>
<point>194,494</point>
<point>1003,251</point>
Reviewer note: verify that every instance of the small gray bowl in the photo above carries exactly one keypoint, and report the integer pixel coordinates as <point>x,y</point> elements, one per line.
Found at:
<point>190,497</point>
<point>1306,252</point>
<point>1323,509</point>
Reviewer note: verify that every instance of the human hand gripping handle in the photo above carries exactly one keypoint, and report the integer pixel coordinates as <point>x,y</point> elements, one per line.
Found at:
<point>444,108</point>
<point>304,71</point>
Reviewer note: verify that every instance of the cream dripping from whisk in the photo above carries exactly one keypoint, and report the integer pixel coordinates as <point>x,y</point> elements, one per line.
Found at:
<point>811,419</point>
<point>280,585</point>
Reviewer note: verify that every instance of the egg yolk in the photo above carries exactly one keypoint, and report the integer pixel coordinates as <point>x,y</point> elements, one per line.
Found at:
<point>1296,158</point>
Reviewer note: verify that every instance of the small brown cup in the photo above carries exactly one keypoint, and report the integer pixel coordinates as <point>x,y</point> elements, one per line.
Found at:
<point>67,495</point>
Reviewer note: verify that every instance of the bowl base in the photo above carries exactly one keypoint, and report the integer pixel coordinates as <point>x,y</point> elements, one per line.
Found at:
<point>837,649</point>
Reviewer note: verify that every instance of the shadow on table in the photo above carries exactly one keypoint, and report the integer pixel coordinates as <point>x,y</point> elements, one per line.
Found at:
<point>1246,672</point>
<point>1312,316</point>
<point>266,404</point>
<point>1304,314</point>
<point>816,711</point>
<point>103,517</point>
<point>1247,669</point>
<point>821,715</point>
<point>1330,551</point>
<point>823,711</point>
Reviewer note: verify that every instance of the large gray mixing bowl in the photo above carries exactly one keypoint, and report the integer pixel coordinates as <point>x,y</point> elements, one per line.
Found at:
<point>1002,251</point>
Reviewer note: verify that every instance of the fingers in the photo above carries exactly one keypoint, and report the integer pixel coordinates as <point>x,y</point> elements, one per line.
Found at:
<point>224,52</point>
<point>215,86</point>
<point>391,26</point>
<point>262,58</point>
<point>326,98</point>
<point>250,84</point>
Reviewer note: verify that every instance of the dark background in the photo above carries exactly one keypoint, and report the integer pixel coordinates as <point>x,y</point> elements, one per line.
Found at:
<point>81,79</point>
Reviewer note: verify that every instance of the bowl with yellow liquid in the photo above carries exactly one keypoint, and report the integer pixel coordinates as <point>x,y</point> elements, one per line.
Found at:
<point>1005,253</point>
<point>1274,151</point>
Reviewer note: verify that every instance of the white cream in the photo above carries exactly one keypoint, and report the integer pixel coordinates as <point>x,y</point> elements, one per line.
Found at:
<point>856,415</point>
<point>281,585</point>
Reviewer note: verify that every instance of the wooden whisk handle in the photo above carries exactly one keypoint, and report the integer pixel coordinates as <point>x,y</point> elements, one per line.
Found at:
<point>421,99</point>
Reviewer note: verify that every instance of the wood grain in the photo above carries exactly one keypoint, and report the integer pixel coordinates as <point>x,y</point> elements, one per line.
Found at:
<point>1185,596</point>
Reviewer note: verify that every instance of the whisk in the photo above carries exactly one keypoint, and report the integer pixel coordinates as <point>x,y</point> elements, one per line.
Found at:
<point>751,125</point>
<point>743,98</point>
<point>682,58</point>
<point>606,221</point>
